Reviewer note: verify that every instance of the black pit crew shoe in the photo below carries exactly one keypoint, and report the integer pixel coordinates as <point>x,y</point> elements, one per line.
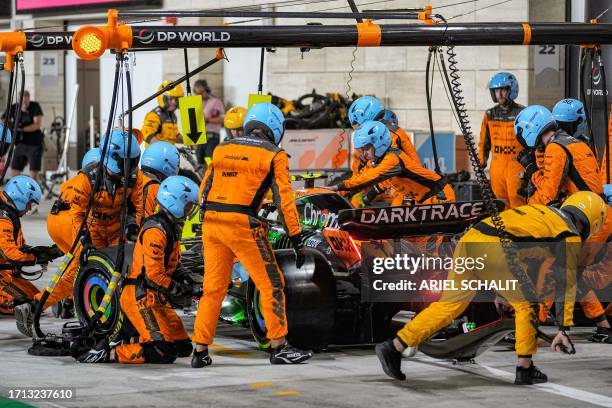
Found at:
<point>287,354</point>
<point>99,354</point>
<point>24,318</point>
<point>601,335</point>
<point>529,376</point>
<point>390,359</point>
<point>200,359</point>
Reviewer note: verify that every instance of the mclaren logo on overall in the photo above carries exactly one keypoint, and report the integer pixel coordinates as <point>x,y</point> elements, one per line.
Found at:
<point>422,213</point>
<point>193,36</point>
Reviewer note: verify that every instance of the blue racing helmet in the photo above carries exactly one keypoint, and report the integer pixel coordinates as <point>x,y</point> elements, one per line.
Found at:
<point>607,190</point>
<point>268,118</point>
<point>570,116</point>
<point>7,138</point>
<point>21,191</point>
<point>178,195</point>
<point>531,123</point>
<point>117,151</point>
<point>92,156</point>
<point>364,109</point>
<point>389,118</point>
<point>504,80</point>
<point>374,133</point>
<point>161,158</point>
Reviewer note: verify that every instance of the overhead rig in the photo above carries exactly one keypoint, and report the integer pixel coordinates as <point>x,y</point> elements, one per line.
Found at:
<point>90,42</point>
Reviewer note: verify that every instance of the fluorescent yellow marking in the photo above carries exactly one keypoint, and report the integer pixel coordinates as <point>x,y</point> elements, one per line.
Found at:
<point>106,299</point>
<point>261,384</point>
<point>228,352</point>
<point>281,393</point>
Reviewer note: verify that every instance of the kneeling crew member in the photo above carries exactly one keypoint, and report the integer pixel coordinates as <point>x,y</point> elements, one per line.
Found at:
<point>580,216</point>
<point>18,197</point>
<point>392,168</point>
<point>241,172</point>
<point>162,337</point>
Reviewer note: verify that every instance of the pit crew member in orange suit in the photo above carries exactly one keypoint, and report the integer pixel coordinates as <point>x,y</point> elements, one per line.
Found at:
<point>369,108</point>
<point>240,173</point>
<point>159,161</point>
<point>393,169</point>
<point>18,197</point>
<point>497,139</point>
<point>103,222</point>
<point>144,299</point>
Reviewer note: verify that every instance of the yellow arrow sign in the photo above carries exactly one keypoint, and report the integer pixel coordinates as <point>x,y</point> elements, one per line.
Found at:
<point>192,120</point>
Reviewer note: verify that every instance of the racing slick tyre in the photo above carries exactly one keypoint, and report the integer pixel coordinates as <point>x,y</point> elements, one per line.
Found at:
<point>92,280</point>
<point>310,302</point>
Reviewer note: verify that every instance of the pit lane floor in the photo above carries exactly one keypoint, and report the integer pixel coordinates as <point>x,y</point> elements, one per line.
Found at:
<point>339,377</point>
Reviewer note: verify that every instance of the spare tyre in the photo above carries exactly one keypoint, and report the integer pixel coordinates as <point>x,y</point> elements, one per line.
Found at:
<point>90,285</point>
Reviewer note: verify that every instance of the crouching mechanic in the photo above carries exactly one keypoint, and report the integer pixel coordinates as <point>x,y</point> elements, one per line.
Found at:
<point>240,173</point>
<point>18,197</point>
<point>162,337</point>
<point>159,161</point>
<point>392,168</point>
<point>368,108</point>
<point>580,216</point>
<point>103,222</point>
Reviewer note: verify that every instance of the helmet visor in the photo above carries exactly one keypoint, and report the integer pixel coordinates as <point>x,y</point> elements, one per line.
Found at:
<point>190,209</point>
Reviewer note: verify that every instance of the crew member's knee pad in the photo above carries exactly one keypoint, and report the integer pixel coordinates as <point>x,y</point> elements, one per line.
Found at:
<point>159,352</point>
<point>183,348</point>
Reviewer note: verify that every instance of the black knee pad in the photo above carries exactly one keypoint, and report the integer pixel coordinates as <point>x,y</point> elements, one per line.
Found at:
<point>183,348</point>
<point>159,352</point>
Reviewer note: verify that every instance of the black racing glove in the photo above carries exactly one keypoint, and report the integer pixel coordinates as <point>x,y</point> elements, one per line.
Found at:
<point>526,158</point>
<point>131,232</point>
<point>42,257</point>
<point>298,247</point>
<point>55,252</point>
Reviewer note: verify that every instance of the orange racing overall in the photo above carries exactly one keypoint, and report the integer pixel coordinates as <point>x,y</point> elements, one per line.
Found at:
<point>12,255</point>
<point>498,139</point>
<point>241,172</point>
<point>162,335</point>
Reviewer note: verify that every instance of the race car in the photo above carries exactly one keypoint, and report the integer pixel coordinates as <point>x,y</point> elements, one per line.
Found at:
<point>325,298</point>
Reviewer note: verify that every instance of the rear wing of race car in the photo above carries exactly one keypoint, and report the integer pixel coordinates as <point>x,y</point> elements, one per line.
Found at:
<point>399,222</point>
